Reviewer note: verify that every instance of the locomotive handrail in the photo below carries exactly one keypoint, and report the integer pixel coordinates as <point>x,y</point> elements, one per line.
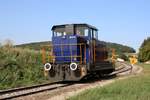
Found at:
<point>94,51</point>
<point>68,56</point>
<point>52,56</point>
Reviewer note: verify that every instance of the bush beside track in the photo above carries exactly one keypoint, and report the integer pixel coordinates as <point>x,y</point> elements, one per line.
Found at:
<point>20,67</point>
<point>133,88</point>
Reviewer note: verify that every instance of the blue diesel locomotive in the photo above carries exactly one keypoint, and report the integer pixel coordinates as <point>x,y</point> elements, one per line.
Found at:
<point>76,53</point>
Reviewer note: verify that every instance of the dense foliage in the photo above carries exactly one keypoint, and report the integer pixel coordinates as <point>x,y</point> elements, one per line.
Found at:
<point>144,51</point>
<point>20,67</point>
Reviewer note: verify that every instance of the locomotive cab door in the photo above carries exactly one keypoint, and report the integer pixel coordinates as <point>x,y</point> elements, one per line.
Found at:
<point>93,39</point>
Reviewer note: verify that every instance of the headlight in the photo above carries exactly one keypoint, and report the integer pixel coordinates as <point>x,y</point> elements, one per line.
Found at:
<point>73,66</point>
<point>47,66</point>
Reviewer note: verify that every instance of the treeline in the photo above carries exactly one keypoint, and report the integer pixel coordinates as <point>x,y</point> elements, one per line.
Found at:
<point>144,51</point>
<point>118,47</point>
<point>34,45</point>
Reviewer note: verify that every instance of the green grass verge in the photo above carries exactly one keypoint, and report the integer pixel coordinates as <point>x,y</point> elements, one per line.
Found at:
<point>133,88</point>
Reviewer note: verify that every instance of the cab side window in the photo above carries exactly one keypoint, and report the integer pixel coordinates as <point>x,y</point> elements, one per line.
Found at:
<point>86,32</point>
<point>95,34</point>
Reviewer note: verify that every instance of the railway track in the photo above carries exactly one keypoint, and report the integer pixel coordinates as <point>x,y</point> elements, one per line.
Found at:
<point>23,91</point>
<point>123,67</point>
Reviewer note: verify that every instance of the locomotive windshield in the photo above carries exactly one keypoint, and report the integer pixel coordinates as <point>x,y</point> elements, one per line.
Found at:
<point>75,29</point>
<point>63,30</point>
<point>82,31</point>
<point>59,31</point>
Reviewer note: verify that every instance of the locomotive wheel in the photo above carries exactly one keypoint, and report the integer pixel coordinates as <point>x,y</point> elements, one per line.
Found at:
<point>77,73</point>
<point>52,73</point>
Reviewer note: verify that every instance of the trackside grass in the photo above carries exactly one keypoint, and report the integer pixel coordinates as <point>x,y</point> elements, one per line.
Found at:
<point>133,88</point>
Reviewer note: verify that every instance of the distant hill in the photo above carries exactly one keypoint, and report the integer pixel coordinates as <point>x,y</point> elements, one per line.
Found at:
<point>34,45</point>
<point>118,47</point>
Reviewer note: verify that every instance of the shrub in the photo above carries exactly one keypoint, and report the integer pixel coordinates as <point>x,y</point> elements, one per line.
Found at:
<point>20,67</point>
<point>123,56</point>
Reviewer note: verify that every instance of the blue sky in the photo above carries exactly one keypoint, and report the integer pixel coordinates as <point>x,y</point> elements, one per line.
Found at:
<point>120,21</point>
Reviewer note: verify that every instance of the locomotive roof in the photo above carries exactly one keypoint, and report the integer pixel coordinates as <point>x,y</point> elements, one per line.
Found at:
<point>81,24</point>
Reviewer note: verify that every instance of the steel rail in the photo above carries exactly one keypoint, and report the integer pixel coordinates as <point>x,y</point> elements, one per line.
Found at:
<point>122,69</point>
<point>5,94</point>
<point>22,88</point>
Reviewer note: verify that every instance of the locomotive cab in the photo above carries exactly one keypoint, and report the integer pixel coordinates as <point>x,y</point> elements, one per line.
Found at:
<point>77,52</point>
<point>71,42</point>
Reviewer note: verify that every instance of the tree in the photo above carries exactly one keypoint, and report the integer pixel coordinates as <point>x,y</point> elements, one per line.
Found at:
<point>123,56</point>
<point>144,51</point>
<point>8,43</point>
